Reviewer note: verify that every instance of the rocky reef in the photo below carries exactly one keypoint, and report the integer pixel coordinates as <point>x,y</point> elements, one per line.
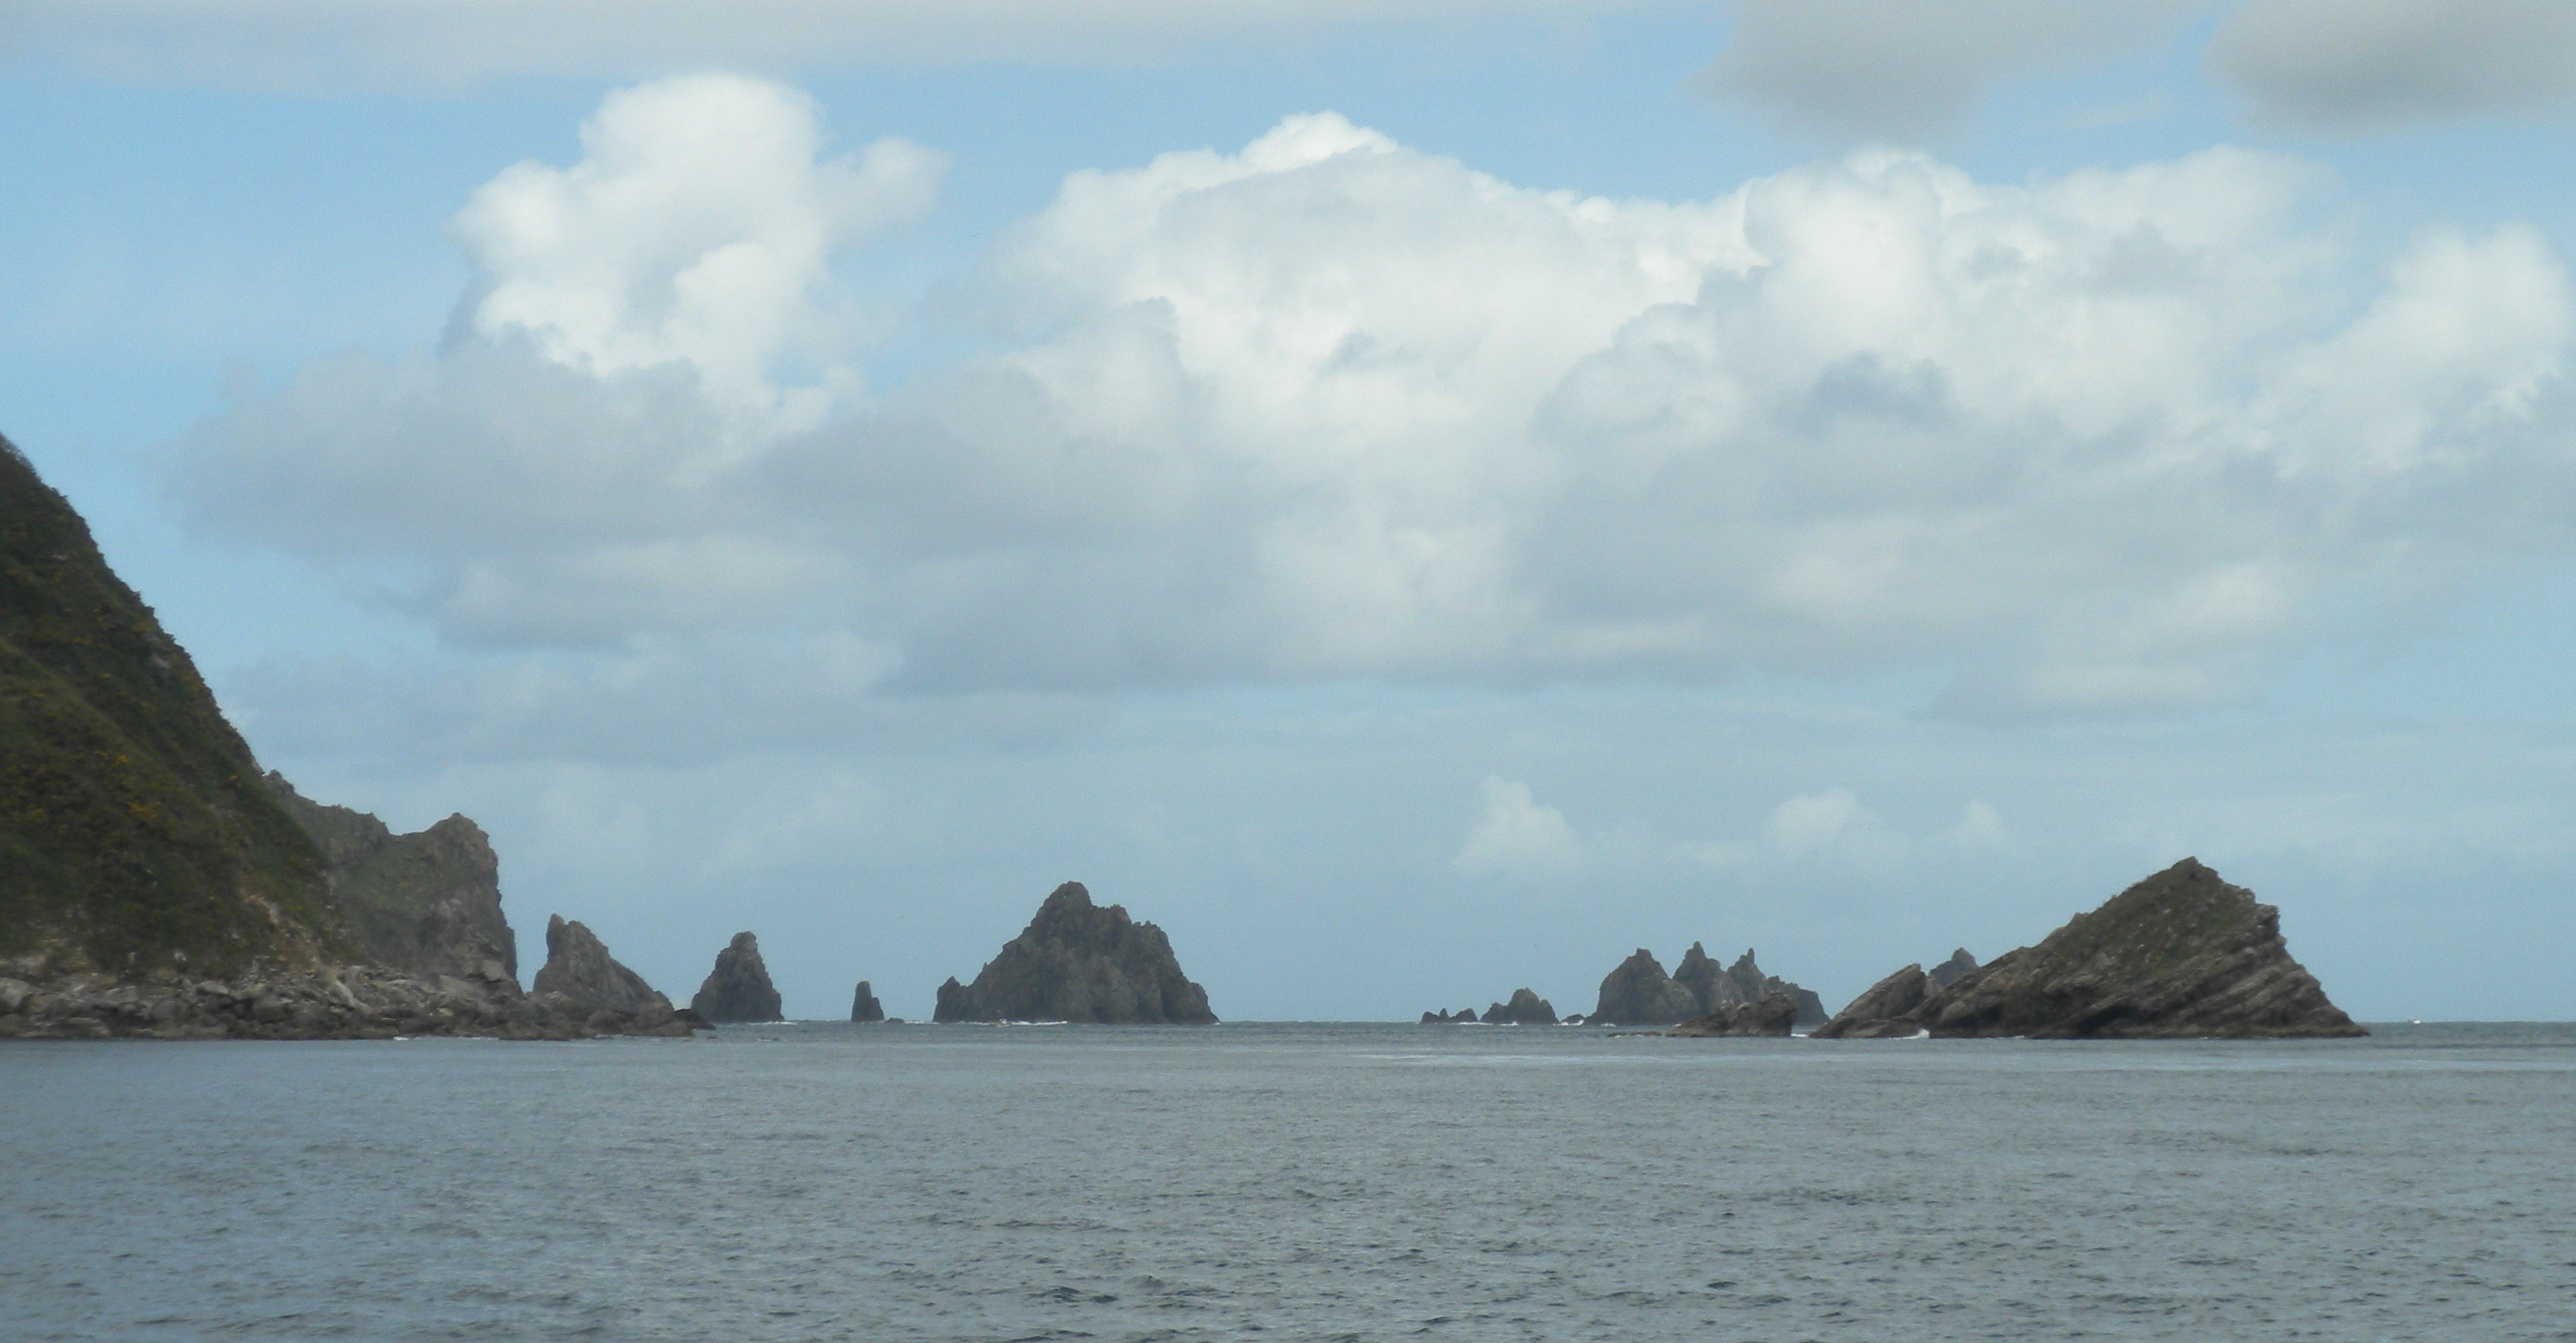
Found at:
<point>738,988</point>
<point>1079,962</point>
<point>1638,992</point>
<point>1524,1009</point>
<point>581,980</point>
<point>1773,1014</point>
<point>2180,955</point>
<point>1465,1016</point>
<point>864,1007</point>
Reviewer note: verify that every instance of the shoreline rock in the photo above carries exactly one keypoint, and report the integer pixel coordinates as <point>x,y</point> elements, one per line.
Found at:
<point>581,978</point>
<point>1524,1009</point>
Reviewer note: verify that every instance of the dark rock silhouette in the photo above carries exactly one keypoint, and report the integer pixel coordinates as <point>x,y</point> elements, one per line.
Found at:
<point>1637,992</point>
<point>864,1006</point>
<point>1740,985</point>
<point>2182,954</point>
<point>1948,972</point>
<point>738,989</point>
<point>427,903</point>
<point>581,978</point>
<point>1077,961</point>
<point>1463,1016</point>
<point>1774,1014</point>
<point>1885,1008</point>
<point>1525,1009</point>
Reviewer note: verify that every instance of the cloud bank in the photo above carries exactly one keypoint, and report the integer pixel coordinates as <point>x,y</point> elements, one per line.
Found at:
<point>1328,407</point>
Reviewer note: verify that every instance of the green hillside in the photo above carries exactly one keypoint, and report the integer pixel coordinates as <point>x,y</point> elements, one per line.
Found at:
<point>133,823</point>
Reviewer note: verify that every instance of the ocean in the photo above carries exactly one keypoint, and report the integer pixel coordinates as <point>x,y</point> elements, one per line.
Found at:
<point>824,1181</point>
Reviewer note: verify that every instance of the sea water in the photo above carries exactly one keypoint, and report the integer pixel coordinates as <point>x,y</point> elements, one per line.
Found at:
<point>1291,1182</point>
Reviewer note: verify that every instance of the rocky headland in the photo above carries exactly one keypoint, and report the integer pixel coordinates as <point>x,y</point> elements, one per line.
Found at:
<point>2180,955</point>
<point>738,988</point>
<point>1080,962</point>
<point>154,882</point>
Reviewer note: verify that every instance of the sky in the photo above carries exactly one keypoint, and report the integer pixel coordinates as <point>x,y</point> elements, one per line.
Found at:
<point>1416,497</point>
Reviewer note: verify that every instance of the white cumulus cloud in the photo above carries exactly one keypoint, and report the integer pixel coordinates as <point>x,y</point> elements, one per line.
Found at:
<point>1518,835</point>
<point>1328,407</point>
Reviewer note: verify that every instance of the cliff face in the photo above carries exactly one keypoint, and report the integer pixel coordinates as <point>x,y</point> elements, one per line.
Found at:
<point>1079,962</point>
<point>135,835</point>
<point>427,903</point>
<point>2182,954</point>
<point>586,979</point>
<point>738,989</point>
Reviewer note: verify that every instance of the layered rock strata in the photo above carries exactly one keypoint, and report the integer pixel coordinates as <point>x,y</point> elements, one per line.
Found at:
<point>864,1007</point>
<point>1079,962</point>
<point>738,988</point>
<point>2182,954</point>
<point>1524,1009</point>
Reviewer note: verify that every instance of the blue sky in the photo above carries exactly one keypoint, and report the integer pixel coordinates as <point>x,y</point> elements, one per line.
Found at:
<point>1418,498</point>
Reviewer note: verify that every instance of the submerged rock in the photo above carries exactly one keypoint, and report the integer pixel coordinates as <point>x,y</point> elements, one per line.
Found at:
<point>1637,992</point>
<point>738,989</point>
<point>1775,1014</point>
<point>1077,961</point>
<point>2182,954</point>
<point>864,1006</point>
<point>1525,1009</point>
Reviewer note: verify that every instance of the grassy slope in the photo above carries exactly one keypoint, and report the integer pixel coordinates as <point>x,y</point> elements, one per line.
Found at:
<point>133,822</point>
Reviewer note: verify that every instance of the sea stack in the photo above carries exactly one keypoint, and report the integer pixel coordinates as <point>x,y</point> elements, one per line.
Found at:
<point>1637,992</point>
<point>1078,962</point>
<point>738,989</point>
<point>1525,1009</point>
<point>582,979</point>
<point>2180,955</point>
<point>864,1006</point>
<point>1740,985</point>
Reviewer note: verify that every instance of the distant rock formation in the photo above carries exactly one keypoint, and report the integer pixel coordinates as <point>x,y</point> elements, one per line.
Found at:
<point>1774,1014</point>
<point>1464,1016</point>
<point>427,903</point>
<point>2181,954</point>
<point>1741,985</point>
<point>1079,962</point>
<point>864,1006</point>
<point>1949,972</point>
<point>738,989</point>
<point>1525,1009</point>
<point>1637,992</point>
<point>581,979</point>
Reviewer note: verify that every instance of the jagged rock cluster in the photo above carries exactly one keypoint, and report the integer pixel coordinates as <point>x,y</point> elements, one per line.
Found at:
<point>1524,1009</point>
<point>1465,1016</point>
<point>2182,954</point>
<point>738,989</point>
<point>1078,962</point>
<point>1638,993</point>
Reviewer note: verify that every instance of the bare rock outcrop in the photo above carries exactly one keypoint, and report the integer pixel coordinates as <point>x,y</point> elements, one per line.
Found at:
<point>1465,1016</point>
<point>738,989</point>
<point>1080,962</point>
<point>2182,954</point>
<point>1740,985</point>
<point>1885,1008</point>
<point>1950,972</point>
<point>580,978</point>
<point>864,1007</point>
<point>426,903</point>
<point>1524,1009</point>
<point>1774,1014</point>
<point>1637,992</point>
